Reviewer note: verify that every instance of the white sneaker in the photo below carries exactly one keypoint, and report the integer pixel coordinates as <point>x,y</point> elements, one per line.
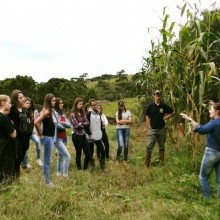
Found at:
<point>39,162</point>
<point>58,174</point>
<point>50,185</point>
<point>29,166</point>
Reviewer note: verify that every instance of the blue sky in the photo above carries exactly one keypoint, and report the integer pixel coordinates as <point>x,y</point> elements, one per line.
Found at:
<point>65,38</point>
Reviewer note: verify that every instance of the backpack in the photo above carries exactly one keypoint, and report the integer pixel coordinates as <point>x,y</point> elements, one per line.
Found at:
<point>25,126</point>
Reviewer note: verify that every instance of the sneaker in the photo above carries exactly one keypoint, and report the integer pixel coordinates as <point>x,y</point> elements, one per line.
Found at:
<point>39,162</point>
<point>29,166</point>
<point>58,174</point>
<point>50,185</point>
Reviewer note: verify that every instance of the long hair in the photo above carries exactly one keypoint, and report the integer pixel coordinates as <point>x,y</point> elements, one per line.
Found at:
<point>30,111</point>
<point>47,102</point>
<point>14,97</point>
<point>121,102</point>
<point>57,106</point>
<point>86,107</point>
<point>75,109</point>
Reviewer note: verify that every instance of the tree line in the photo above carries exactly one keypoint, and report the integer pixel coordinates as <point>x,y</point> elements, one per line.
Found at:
<point>106,87</point>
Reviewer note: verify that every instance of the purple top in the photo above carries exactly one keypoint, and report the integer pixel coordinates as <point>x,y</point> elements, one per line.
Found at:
<point>79,123</point>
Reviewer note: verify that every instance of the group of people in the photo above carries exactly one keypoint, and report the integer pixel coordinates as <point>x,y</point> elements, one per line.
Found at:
<point>18,122</point>
<point>158,112</point>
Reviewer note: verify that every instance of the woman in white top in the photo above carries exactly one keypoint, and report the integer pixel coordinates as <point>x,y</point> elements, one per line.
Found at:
<point>123,120</point>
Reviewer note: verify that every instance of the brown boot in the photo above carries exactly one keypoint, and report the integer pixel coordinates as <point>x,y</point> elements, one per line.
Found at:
<point>147,159</point>
<point>161,157</point>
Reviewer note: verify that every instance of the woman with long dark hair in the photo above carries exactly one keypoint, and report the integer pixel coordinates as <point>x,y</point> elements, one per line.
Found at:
<point>80,123</point>
<point>22,125</point>
<point>61,124</point>
<point>46,135</point>
<point>123,121</point>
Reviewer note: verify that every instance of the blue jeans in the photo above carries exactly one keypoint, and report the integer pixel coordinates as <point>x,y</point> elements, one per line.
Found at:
<point>63,157</point>
<point>47,142</point>
<point>36,140</point>
<point>210,161</point>
<point>123,135</point>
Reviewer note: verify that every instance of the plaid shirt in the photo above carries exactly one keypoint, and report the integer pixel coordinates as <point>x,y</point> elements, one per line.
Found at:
<point>79,123</point>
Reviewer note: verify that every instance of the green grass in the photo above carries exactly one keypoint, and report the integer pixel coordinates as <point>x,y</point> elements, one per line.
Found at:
<point>93,84</point>
<point>110,108</point>
<point>123,191</point>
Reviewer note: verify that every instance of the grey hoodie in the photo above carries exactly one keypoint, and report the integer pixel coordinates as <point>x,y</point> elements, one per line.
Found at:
<point>95,127</point>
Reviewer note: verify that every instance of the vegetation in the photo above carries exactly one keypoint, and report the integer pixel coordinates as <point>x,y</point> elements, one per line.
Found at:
<point>123,191</point>
<point>187,68</point>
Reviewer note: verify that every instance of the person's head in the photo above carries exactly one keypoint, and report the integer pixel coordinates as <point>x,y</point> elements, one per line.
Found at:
<point>78,106</point>
<point>157,95</point>
<point>214,111</point>
<point>93,105</point>
<point>99,107</point>
<point>86,107</point>
<point>59,105</point>
<point>49,101</point>
<point>121,106</point>
<point>17,98</point>
<point>27,103</point>
<point>5,104</point>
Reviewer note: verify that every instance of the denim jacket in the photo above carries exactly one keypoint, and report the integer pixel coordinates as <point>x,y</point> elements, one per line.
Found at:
<point>58,125</point>
<point>212,129</point>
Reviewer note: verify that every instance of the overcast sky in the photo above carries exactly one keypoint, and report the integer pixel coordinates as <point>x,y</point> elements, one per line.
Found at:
<point>66,38</point>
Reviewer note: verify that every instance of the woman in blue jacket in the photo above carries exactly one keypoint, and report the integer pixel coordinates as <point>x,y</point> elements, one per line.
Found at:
<point>211,157</point>
<point>61,124</point>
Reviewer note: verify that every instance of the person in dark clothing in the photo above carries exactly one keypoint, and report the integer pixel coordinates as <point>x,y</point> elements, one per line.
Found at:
<point>94,134</point>
<point>17,114</point>
<point>7,142</point>
<point>104,134</point>
<point>80,122</point>
<point>156,114</point>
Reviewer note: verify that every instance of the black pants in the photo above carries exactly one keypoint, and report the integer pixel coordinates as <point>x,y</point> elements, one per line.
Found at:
<point>106,143</point>
<point>100,153</point>
<point>81,144</point>
<point>7,160</point>
<point>22,145</point>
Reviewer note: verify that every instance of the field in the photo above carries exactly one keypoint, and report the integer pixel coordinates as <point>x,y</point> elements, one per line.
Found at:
<point>123,191</point>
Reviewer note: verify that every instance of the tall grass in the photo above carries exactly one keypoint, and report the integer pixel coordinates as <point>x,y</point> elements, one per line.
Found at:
<point>123,191</point>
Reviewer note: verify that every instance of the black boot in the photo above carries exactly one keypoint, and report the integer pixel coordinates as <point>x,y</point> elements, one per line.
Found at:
<point>147,159</point>
<point>92,162</point>
<point>125,153</point>
<point>102,164</point>
<point>118,153</point>
<point>161,157</point>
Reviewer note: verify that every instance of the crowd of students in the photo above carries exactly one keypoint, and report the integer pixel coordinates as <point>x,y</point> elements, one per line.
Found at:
<point>20,123</point>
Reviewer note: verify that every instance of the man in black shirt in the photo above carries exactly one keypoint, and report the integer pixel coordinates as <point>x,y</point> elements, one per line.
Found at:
<point>156,114</point>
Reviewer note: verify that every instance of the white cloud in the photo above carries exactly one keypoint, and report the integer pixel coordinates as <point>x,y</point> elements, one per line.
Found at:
<point>65,38</point>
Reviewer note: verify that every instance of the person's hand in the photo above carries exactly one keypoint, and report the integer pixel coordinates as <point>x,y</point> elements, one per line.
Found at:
<point>183,115</point>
